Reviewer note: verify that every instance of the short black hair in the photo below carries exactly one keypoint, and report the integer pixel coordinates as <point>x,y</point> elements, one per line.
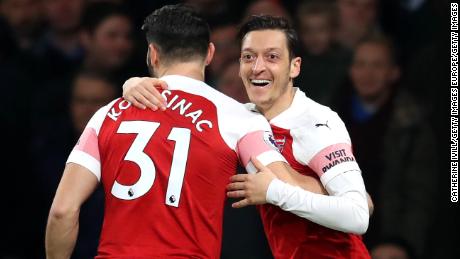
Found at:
<point>96,13</point>
<point>179,32</point>
<point>269,22</point>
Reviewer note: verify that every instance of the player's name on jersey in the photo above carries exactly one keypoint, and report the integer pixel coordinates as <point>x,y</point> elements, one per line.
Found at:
<point>176,103</point>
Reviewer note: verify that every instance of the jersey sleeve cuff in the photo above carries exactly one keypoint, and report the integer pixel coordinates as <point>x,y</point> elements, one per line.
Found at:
<point>87,161</point>
<point>338,169</point>
<point>265,158</point>
<point>274,191</point>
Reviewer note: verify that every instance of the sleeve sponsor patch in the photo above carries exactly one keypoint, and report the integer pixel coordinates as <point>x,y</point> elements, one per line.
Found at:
<point>330,157</point>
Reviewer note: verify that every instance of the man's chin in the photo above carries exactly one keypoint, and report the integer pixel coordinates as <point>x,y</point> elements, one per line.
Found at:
<point>260,102</point>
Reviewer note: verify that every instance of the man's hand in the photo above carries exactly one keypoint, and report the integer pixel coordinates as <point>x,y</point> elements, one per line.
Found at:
<point>251,187</point>
<point>142,92</point>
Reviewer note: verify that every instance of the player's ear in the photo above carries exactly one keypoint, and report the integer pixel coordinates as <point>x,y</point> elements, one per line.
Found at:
<point>295,67</point>
<point>210,55</point>
<point>152,55</point>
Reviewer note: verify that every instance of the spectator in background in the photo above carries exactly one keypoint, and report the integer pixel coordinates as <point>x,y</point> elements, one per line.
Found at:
<point>107,38</point>
<point>324,62</point>
<point>392,248</point>
<point>24,19</point>
<point>268,7</point>
<point>393,143</point>
<point>357,18</point>
<point>107,44</point>
<point>59,51</point>
<point>57,57</point>
<point>54,139</point>
<point>230,84</point>
<point>227,50</point>
<point>90,92</point>
<point>415,24</point>
<point>212,10</point>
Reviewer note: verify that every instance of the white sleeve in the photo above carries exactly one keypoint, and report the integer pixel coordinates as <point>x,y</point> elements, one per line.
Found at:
<point>345,210</point>
<point>86,151</point>
<point>325,147</point>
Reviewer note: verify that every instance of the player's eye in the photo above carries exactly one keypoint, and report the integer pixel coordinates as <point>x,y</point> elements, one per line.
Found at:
<point>272,57</point>
<point>247,57</point>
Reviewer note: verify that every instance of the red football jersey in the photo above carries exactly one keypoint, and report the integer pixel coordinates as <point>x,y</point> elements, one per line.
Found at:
<point>164,173</point>
<point>303,133</point>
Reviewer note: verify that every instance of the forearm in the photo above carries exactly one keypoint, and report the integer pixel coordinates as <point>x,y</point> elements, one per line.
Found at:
<point>61,234</point>
<point>292,177</point>
<point>345,211</point>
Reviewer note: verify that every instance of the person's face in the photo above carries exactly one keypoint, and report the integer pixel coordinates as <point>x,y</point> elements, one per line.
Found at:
<point>231,85</point>
<point>111,44</point>
<point>372,72</point>
<point>63,15</point>
<point>226,48</point>
<point>316,33</point>
<point>22,15</point>
<point>266,69</point>
<point>88,95</point>
<point>357,13</point>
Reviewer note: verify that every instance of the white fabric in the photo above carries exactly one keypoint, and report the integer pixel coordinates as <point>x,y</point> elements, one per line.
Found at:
<point>265,158</point>
<point>346,208</point>
<point>343,211</point>
<point>87,161</point>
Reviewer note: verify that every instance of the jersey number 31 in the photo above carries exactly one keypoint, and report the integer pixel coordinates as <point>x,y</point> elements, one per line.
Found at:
<point>145,131</point>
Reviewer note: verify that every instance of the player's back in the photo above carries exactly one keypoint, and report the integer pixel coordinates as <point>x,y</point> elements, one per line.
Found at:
<point>164,173</point>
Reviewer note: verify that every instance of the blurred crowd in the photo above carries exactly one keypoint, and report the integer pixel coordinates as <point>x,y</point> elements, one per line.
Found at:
<point>377,63</point>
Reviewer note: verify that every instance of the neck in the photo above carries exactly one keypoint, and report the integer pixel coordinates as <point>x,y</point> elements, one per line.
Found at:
<point>376,101</point>
<point>191,69</point>
<point>281,103</point>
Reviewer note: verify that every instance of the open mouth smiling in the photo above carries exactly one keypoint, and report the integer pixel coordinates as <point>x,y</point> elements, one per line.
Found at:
<point>260,82</point>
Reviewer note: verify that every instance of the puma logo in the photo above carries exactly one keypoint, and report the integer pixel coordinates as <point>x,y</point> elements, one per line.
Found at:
<point>322,124</point>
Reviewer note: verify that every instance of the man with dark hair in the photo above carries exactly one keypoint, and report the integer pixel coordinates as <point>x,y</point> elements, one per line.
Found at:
<point>106,34</point>
<point>315,142</point>
<point>376,104</point>
<point>161,200</point>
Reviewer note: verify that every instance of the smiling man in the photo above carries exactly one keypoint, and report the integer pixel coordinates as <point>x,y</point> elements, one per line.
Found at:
<point>314,141</point>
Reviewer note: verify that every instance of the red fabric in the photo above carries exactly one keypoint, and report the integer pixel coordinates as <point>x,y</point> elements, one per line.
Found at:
<point>293,237</point>
<point>146,227</point>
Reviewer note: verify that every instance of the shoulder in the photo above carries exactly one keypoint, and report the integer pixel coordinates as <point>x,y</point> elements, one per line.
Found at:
<point>316,118</point>
<point>317,128</point>
<point>98,118</point>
